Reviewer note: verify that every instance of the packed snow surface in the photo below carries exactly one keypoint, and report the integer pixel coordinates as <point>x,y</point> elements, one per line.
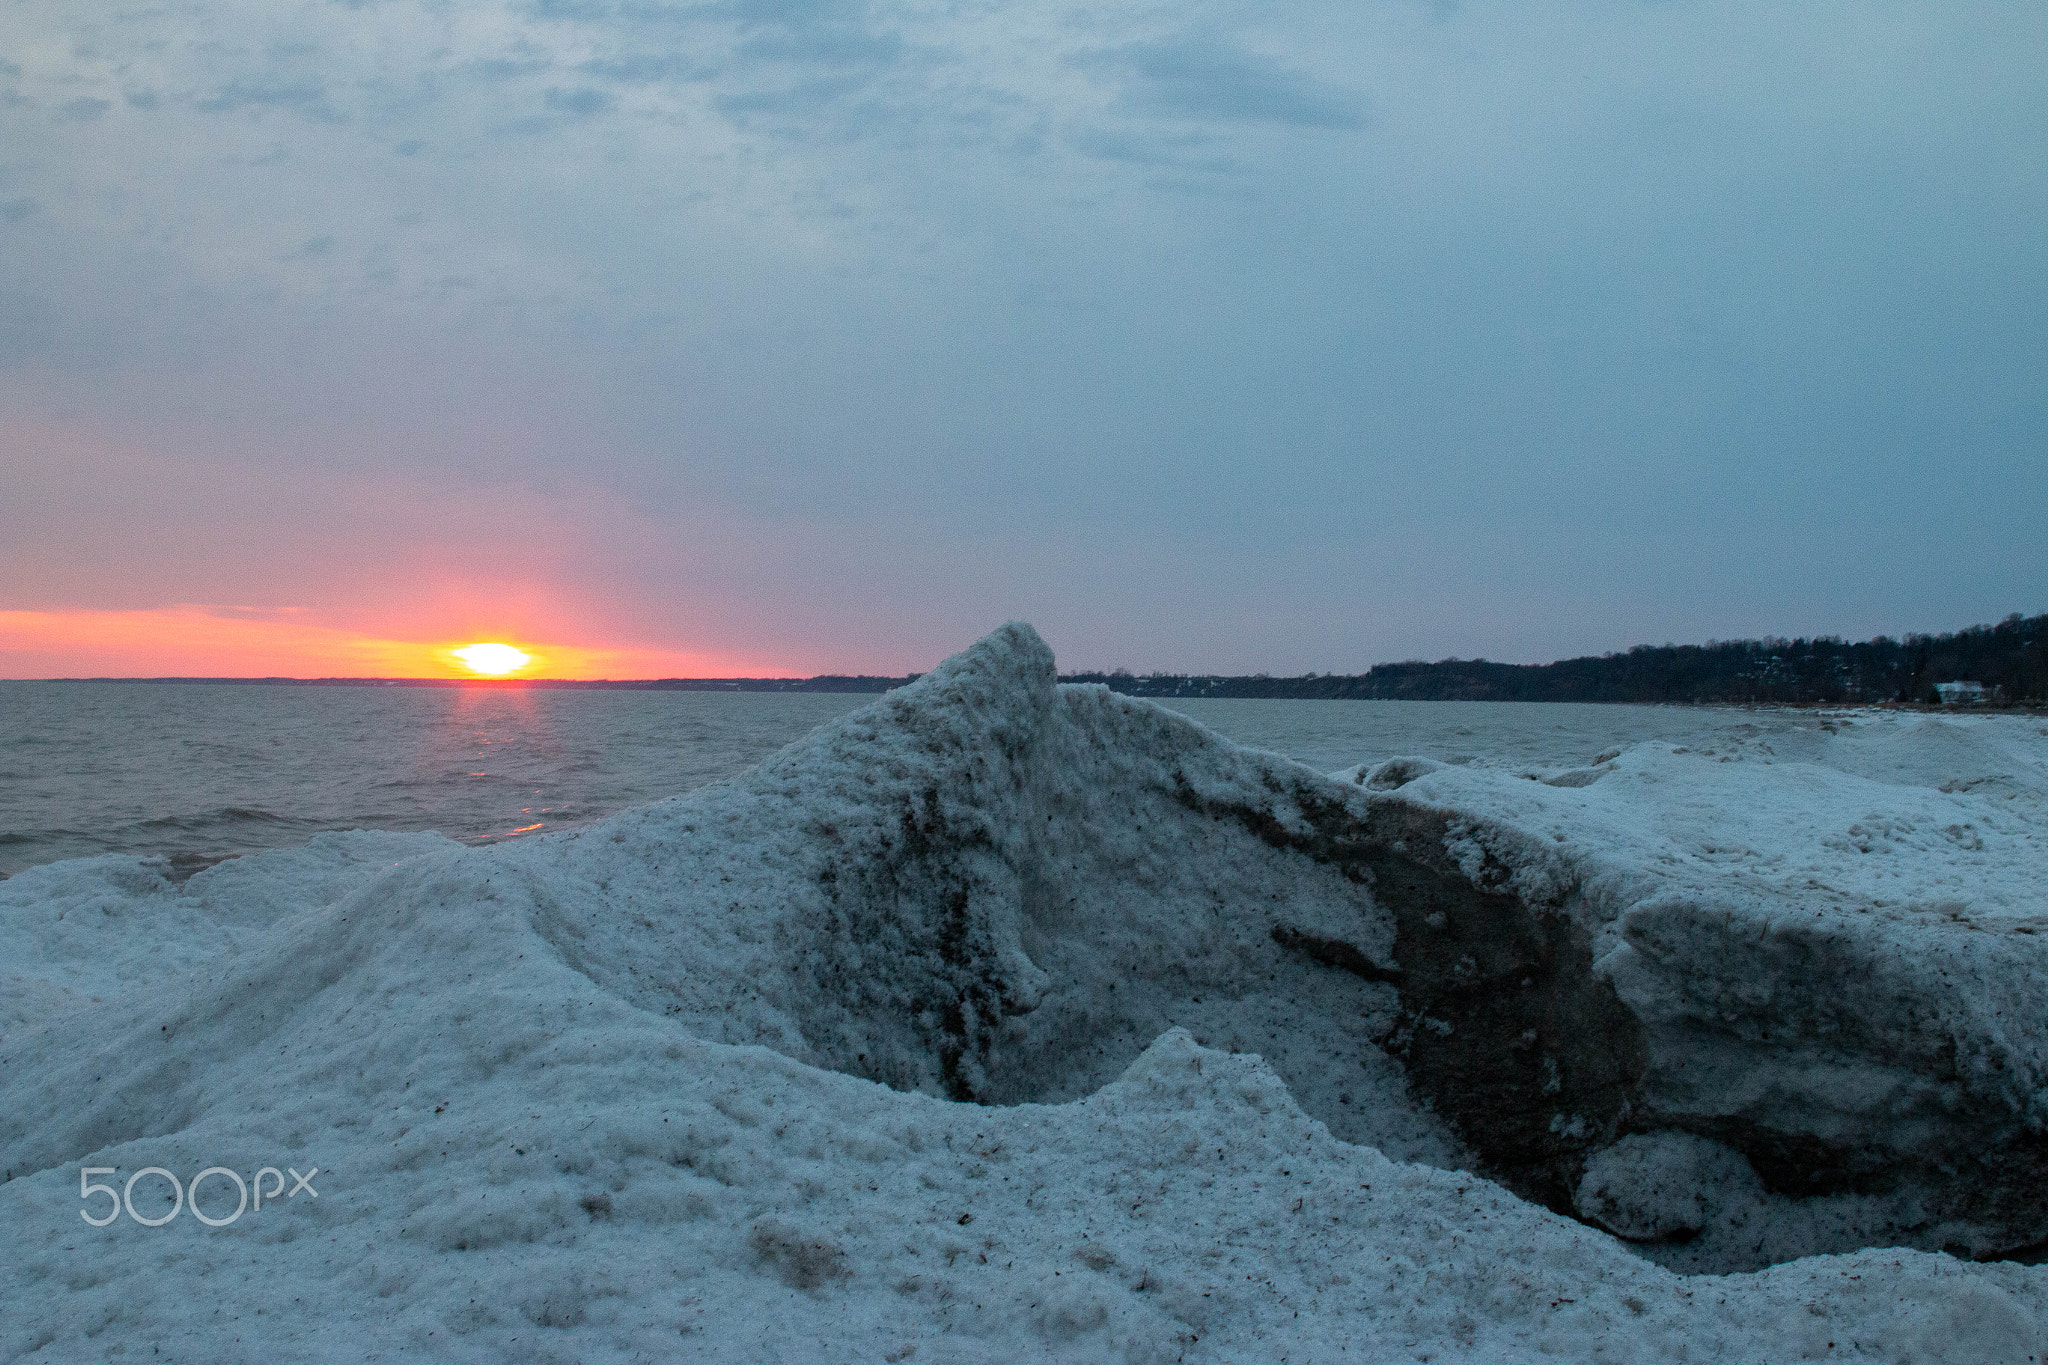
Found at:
<point>1834,941</point>
<point>996,1021</point>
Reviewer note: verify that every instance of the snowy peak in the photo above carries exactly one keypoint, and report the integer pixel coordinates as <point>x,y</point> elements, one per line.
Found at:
<point>988,887</point>
<point>1008,664</point>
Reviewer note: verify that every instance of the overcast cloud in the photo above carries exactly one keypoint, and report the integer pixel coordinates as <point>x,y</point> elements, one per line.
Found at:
<point>828,334</point>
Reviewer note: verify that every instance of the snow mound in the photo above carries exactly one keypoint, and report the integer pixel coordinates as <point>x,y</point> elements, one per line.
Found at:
<point>1829,963</point>
<point>81,932</point>
<point>987,887</point>
<point>1660,1187</point>
<point>1389,775</point>
<point>691,1084</point>
<point>1989,755</point>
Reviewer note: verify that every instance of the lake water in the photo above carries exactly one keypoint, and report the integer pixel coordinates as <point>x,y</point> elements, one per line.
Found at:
<point>199,772</point>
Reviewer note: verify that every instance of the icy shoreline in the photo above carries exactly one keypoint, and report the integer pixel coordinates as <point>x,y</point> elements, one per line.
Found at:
<point>614,1094</point>
<point>1830,959</point>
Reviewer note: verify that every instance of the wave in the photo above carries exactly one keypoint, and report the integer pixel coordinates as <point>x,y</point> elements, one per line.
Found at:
<point>225,817</point>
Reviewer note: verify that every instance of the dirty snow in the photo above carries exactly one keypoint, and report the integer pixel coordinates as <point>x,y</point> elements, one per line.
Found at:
<point>1833,930</point>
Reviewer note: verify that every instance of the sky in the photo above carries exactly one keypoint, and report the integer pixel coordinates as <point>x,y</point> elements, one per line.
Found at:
<point>778,337</point>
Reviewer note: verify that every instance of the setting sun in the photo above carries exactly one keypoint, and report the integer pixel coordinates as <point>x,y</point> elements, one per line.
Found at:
<point>493,658</point>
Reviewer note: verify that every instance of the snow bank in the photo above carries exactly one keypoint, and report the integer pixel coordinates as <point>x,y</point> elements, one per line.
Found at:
<point>892,1049</point>
<point>1830,945</point>
<point>991,888</point>
<point>81,932</point>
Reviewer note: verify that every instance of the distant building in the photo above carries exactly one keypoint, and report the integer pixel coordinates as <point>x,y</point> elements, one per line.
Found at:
<point>1959,693</point>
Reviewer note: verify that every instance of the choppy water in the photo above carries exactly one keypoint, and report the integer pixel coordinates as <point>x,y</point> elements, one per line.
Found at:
<point>198,772</point>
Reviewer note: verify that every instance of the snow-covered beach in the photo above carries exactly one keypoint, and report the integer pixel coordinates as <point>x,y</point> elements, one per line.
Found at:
<point>1005,1021</point>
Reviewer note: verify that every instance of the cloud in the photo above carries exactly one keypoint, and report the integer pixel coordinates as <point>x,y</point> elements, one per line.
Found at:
<point>594,12</point>
<point>787,59</point>
<point>84,109</point>
<point>836,46</point>
<point>306,98</point>
<point>851,259</point>
<point>581,103</point>
<point>563,108</point>
<point>1138,149</point>
<point>802,101</point>
<point>649,68</point>
<point>1207,79</point>
<point>795,14</point>
<point>500,69</point>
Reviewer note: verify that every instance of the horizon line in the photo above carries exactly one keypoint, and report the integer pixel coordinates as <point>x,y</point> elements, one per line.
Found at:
<point>793,681</point>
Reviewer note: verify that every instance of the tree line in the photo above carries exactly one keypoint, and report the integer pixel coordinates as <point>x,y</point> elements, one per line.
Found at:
<point>2010,659</point>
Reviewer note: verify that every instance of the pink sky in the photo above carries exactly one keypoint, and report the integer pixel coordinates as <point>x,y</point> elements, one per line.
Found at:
<point>150,561</point>
<point>197,641</point>
<point>746,341</point>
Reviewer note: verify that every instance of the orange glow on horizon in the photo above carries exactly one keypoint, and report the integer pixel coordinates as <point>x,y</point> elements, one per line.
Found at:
<point>493,659</point>
<point>233,642</point>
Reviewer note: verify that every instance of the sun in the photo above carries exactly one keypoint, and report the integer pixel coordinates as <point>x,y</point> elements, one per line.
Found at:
<point>493,659</point>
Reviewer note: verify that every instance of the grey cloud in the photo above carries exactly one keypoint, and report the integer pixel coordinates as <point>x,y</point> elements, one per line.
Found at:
<point>835,34</point>
<point>563,108</point>
<point>648,68</point>
<point>579,103</point>
<point>1123,145</point>
<point>802,69</point>
<point>142,99</point>
<point>313,249</point>
<point>1207,79</point>
<point>508,68</point>
<point>837,46</point>
<point>84,109</point>
<point>802,100</point>
<point>771,33</point>
<point>789,13</point>
<point>306,98</point>
<point>747,15</point>
<point>1053,340</point>
<point>580,11</point>
<point>811,60</point>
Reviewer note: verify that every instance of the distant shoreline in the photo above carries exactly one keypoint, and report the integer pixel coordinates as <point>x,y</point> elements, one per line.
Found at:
<point>1225,689</point>
<point>820,684</point>
<point>2008,660</point>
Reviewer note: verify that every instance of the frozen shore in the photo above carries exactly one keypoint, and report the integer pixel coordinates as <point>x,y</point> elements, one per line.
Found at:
<point>1829,953</point>
<point>926,1040</point>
